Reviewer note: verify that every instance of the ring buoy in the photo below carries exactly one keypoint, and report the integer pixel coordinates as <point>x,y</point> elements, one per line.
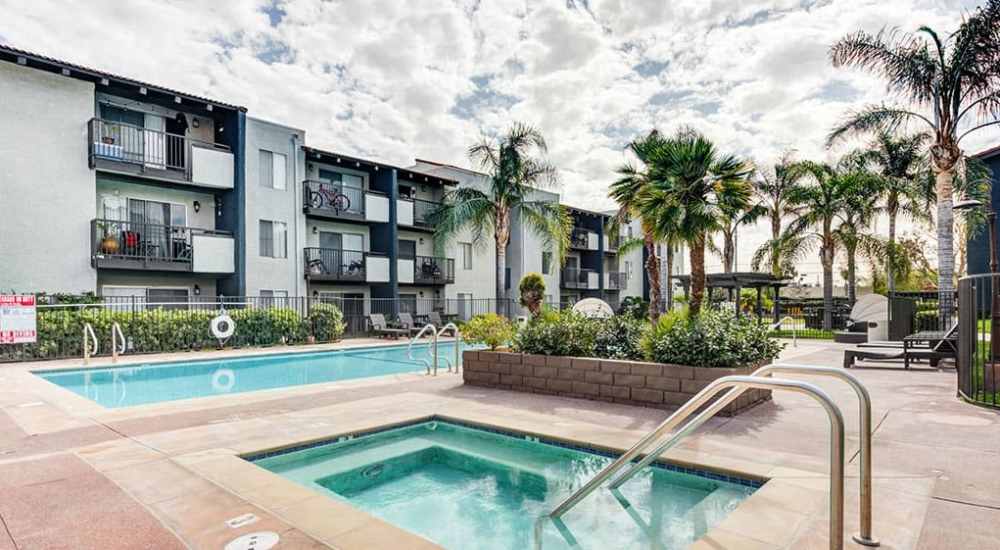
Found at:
<point>223,327</point>
<point>223,380</point>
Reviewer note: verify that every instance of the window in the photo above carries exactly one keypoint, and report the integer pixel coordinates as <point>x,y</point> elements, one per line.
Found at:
<point>126,298</point>
<point>466,256</point>
<point>273,239</point>
<point>630,231</point>
<point>272,298</point>
<point>546,263</point>
<point>273,171</point>
<point>348,180</point>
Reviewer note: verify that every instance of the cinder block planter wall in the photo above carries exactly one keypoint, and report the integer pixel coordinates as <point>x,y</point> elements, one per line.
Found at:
<point>628,382</point>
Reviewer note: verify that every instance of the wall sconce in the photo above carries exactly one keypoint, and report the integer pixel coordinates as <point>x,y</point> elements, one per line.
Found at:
<point>197,290</point>
<point>421,240</point>
<point>195,122</point>
<point>197,206</point>
<point>421,293</point>
<point>315,294</point>
<point>315,230</point>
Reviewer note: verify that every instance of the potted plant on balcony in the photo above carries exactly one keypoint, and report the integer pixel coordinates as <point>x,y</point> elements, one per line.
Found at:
<point>109,243</point>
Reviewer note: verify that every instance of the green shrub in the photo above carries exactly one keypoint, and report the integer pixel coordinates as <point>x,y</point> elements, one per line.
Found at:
<point>714,338</point>
<point>490,329</point>
<point>532,289</point>
<point>620,337</point>
<point>558,333</point>
<point>634,307</point>
<point>327,322</point>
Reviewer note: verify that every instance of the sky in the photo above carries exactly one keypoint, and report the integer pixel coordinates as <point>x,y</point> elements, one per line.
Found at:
<point>395,80</point>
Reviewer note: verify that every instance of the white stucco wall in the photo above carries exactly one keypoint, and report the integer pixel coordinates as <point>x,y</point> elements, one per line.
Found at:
<point>45,182</point>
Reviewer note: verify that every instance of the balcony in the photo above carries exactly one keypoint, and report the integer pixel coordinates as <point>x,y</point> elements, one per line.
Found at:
<point>335,201</point>
<point>134,150</point>
<point>119,244</point>
<point>427,270</point>
<point>582,239</point>
<point>615,280</point>
<point>611,244</point>
<point>422,212</point>
<point>336,265</point>
<point>583,279</point>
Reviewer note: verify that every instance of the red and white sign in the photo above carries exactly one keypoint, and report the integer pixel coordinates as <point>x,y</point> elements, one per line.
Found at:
<point>17,319</point>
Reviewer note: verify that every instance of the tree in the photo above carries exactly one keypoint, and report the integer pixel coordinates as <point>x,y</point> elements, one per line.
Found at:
<point>513,171</point>
<point>734,216</point>
<point>860,207</point>
<point>532,289</point>
<point>772,191</point>
<point>951,86</point>
<point>629,190</point>
<point>691,184</point>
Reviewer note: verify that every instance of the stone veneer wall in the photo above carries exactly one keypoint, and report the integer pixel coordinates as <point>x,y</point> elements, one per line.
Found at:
<point>628,382</point>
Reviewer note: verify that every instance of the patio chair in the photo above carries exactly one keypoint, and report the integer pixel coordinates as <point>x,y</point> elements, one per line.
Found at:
<point>406,322</point>
<point>434,318</point>
<point>382,329</point>
<point>930,345</point>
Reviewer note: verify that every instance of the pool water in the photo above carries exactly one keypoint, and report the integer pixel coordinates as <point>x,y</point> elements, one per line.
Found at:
<point>465,488</point>
<point>153,383</point>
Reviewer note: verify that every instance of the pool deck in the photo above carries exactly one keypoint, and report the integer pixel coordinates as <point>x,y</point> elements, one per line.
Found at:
<point>168,475</point>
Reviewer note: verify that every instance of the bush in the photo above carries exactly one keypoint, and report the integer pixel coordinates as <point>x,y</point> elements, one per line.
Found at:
<point>490,329</point>
<point>634,307</point>
<point>327,322</point>
<point>713,338</point>
<point>620,337</point>
<point>532,289</point>
<point>558,333</point>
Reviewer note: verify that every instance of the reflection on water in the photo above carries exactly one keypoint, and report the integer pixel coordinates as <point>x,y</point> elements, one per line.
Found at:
<point>466,488</point>
<point>125,386</point>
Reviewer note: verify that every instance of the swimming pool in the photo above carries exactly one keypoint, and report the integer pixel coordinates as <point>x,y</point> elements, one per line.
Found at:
<point>465,487</point>
<point>153,383</point>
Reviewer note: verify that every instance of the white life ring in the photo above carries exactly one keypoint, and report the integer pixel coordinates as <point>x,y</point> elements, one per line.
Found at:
<point>223,380</point>
<point>223,327</point>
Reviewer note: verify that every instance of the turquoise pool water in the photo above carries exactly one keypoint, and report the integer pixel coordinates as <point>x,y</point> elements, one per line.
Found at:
<point>153,383</point>
<point>466,488</point>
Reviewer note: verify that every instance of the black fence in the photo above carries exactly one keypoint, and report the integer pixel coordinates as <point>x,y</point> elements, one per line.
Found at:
<point>919,311</point>
<point>979,339</point>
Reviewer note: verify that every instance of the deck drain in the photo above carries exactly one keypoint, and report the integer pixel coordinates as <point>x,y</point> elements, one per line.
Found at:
<point>241,521</point>
<point>262,540</point>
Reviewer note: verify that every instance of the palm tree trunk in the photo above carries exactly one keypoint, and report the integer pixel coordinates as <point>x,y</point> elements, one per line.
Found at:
<point>653,274</point>
<point>945,237</point>
<point>826,258</point>
<point>890,278</point>
<point>728,252</point>
<point>775,253</point>
<point>502,278</point>
<point>670,277</point>
<point>852,278</point>
<point>697,273</point>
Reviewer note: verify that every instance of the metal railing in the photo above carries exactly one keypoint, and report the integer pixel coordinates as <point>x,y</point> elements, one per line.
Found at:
<point>433,361</point>
<point>126,143</point>
<point>90,345</point>
<point>458,345</point>
<point>334,199</point>
<point>613,243</point>
<point>117,336</point>
<point>149,245</point>
<point>617,280</point>
<point>423,211</point>
<point>577,278</point>
<point>580,238</point>
<point>978,361</point>
<point>335,264</point>
<point>433,270</point>
<point>736,385</point>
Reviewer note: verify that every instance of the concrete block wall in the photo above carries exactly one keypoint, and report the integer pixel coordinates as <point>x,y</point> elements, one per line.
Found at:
<point>627,382</point>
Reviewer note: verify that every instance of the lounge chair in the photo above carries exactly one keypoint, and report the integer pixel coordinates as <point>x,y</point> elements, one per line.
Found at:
<point>382,329</point>
<point>406,322</point>
<point>434,318</point>
<point>930,345</point>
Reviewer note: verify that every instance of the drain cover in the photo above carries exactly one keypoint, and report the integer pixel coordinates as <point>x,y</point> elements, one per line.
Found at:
<point>262,540</point>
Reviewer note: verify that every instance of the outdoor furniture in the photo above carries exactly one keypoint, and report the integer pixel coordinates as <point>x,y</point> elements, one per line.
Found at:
<point>406,322</point>
<point>930,345</point>
<point>434,318</point>
<point>868,320</point>
<point>382,329</point>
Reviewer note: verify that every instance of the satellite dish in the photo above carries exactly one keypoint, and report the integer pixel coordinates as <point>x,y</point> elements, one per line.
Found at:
<point>594,307</point>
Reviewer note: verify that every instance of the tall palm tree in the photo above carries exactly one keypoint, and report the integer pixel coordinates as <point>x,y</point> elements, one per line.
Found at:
<point>860,207</point>
<point>772,191</point>
<point>691,183</point>
<point>733,217</point>
<point>513,172</point>
<point>628,191</point>
<point>900,162</point>
<point>950,85</point>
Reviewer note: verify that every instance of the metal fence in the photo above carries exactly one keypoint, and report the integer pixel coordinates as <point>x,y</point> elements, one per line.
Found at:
<point>979,339</point>
<point>915,311</point>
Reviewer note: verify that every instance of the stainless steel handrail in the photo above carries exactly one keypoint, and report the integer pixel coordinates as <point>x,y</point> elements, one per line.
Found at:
<point>836,534</point>
<point>88,336</point>
<point>434,345</point>
<point>795,336</point>
<point>865,429</point>
<point>116,332</point>
<point>458,344</point>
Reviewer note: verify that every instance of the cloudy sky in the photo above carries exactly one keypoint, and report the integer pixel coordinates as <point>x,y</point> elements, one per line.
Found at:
<point>396,80</point>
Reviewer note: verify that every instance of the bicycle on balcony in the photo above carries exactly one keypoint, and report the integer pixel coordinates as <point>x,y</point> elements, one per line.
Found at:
<point>329,198</point>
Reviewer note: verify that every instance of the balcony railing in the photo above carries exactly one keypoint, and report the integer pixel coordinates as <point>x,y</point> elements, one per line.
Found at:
<point>422,211</point>
<point>335,264</point>
<point>580,238</point>
<point>136,245</point>
<point>333,199</point>
<point>617,280</point>
<point>614,242</point>
<point>577,278</point>
<point>433,270</point>
<point>154,152</point>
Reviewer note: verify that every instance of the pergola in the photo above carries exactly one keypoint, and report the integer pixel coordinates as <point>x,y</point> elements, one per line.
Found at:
<point>738,281</point>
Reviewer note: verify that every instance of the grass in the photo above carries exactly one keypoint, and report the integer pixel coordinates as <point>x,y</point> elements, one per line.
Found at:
<point>809,333</point>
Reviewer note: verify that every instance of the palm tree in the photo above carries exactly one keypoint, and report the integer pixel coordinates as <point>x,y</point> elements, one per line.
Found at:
<point>513,173</point>
<point>732,218</point>
<point>950,85</point>
<point>860,207</point>
<point>900,161</point>
<point>772,191</point>
<point>691,184</point>
<point>628,191</point>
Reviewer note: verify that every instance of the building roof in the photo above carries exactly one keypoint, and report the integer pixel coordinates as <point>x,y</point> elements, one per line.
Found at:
<point>588,212</point>
<point>453,167</point>
<point>988,153</point>
<point>49,64</point>
<point>407,173</point>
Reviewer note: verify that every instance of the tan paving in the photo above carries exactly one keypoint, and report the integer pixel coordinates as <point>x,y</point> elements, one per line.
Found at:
<point>172,474</point>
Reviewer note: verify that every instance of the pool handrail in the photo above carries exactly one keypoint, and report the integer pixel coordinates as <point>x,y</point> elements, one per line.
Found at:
<point>777,326</point>
<point>864,537</point>
<point>116,333</point>
<point>434,344</point>
<point>458,345</point>
<point>88,337</point>
<point>741,383</point>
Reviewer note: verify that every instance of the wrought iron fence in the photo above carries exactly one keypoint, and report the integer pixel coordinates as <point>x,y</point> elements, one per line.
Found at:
<point>979,338</point>
<point>915,311</point>
<point>422,212</point>
<point>126,143</point>
<point>335,264</point>
<point>433,270</point>
<point>149,244</point>
<point>334,198</point>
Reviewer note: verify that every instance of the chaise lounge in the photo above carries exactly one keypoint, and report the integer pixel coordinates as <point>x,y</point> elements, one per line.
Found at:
<point>930,345</point>
<point>382,329</point>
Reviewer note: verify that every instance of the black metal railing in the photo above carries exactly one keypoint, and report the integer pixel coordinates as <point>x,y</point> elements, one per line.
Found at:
<point>433,270</point>
<point>580,238</point>
<point>143,147</point>
<point>617,280</point>
<point>334,199</point>
<point>423,211</point>
<point>335,264</point>
<point>915,311</point>
<point>577,278</point>
<point>979,338</point>
<point>128,244</point>
<point>614,241</point>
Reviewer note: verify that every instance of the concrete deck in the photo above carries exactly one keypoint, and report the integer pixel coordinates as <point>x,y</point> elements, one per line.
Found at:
<point>76,475</point>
